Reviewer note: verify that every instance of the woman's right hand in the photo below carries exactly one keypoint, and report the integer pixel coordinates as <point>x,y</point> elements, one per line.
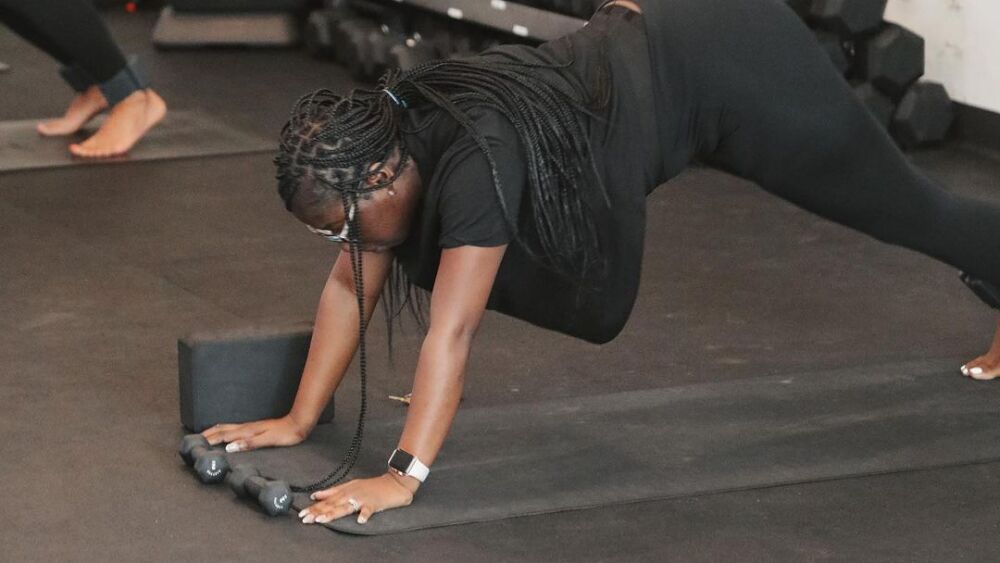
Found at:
<point>253,435</point>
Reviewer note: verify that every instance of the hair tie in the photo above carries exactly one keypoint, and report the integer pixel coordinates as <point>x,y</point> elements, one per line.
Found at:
<point>398,101</point>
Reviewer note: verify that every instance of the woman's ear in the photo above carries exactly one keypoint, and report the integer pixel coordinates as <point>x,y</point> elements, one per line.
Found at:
<point>380,177</point>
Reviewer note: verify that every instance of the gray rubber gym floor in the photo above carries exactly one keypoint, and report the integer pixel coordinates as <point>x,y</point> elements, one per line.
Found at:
<point>103,267</point>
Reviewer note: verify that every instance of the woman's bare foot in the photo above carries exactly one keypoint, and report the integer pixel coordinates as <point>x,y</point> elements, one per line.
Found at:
<point>82,109</point>
<point>128,121</point>
<point>987,366</point>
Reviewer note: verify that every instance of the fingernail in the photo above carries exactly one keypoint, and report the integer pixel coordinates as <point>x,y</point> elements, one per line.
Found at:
<point>964,370</point>
<point>309,519</point>
<point>303,512</point>
<point>233,447</point>
<point>312,496</point>
<point>362,519</point>
<point>323,519</point>
<point>976,371</point>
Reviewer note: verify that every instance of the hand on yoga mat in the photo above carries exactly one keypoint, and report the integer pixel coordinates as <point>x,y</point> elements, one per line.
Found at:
<point>253,435</point>
<point>364,496</point>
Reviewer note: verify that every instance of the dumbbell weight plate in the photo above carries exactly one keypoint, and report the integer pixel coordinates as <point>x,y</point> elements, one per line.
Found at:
<point>892,60</point>
<point>924,116</point>
<point>210,465</point>
<point>188,443</point>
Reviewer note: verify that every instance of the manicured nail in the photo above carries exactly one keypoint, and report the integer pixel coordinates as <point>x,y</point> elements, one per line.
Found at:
<point>233,447</point>
<point>964,370</point>
<point>362,519</point>
<point>323,518</point>
<point>309,519</point>
<point>303,512</point>
<point>312,496</point>
<point>976,371</point>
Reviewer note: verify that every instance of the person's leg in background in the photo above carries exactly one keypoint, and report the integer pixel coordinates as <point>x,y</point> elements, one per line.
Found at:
<point>88,101</point>
<point>72,32</point>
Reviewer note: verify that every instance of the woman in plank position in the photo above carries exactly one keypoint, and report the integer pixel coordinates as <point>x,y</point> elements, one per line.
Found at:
<point>516,181</point>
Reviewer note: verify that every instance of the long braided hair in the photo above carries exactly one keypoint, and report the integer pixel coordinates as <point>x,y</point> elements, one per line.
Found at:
<point>334,140</point>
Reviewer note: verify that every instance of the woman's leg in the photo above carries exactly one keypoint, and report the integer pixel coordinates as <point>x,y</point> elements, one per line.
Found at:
<point>791,123</point>
<point>88,101</point>
<point>69,30</point>
<point>19,25</point>
<point>73,33</point>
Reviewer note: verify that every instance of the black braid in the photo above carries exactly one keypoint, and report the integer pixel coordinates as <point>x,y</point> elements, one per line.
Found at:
<point>334,140</point>
<point>357,266</point>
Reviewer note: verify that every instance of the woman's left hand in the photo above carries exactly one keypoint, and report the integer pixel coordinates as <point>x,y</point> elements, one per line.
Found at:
<point>368,495</point>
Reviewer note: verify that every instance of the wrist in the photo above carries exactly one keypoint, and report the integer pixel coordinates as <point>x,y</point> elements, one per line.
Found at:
<point>409,483</point>
<point>304,425</point>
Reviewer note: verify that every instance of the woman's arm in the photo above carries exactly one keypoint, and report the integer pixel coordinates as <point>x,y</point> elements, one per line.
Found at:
<point>334,342</point>
<point>335,332</point>
<point>464,280</point>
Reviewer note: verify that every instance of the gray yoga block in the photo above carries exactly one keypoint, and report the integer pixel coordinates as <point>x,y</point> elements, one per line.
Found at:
<point>241,375</point>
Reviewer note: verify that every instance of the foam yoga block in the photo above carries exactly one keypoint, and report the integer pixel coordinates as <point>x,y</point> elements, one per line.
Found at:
<point>241,375</point>
<point>588,452</point>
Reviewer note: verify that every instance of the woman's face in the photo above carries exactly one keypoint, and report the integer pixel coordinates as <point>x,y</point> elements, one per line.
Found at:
<point>384,214</point>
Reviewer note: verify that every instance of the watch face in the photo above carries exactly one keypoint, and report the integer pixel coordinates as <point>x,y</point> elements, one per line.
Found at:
<point>400,461</point>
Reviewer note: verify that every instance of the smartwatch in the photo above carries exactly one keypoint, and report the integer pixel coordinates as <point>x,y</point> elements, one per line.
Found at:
<point>406,464</point>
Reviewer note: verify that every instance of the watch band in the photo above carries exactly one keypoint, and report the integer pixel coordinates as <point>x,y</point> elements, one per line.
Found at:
<point>405,463</point>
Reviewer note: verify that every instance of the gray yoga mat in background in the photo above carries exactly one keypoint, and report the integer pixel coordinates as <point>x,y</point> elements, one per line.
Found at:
<point>571,454</point>
<point>181,134</point>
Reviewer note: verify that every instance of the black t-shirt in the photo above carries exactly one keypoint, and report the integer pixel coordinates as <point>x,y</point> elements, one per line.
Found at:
<point>460,204</point>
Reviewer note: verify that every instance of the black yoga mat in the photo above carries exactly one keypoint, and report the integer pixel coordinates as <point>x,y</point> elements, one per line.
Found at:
<point>579,453</point>
<point>181,134</point>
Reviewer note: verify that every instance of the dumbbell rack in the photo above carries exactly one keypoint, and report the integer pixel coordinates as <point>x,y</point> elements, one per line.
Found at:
<point>510,17</point>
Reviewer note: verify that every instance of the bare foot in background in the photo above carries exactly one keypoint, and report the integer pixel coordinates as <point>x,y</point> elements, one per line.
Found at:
<point>81,110</point>
<point>127,122</point>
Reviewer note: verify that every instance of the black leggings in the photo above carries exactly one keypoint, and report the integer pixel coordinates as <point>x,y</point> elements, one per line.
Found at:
<point>746,88</point>
<point>70,31</point>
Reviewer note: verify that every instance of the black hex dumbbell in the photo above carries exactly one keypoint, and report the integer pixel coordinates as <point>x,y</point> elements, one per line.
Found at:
<point>410,53</point>
<point>275,497</point>
<point>924,115</point>
<point>209,463</point>
<point>892,60</point>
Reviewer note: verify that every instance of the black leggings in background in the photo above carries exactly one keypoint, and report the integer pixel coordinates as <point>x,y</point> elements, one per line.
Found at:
<point>70,31</point>
<point>746,87</point>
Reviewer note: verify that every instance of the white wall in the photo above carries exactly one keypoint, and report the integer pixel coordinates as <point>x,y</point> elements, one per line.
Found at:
<point>963,45</point>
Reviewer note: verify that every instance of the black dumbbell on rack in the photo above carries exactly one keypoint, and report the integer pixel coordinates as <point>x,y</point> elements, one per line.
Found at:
<point>924,115</point>
<point>883,62</point>
<point>318,37</point>
<point>209,463</point>
<point>892,59</point>
<point>274,497</point>
<point>410,53</point>
<point>373,53</point>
